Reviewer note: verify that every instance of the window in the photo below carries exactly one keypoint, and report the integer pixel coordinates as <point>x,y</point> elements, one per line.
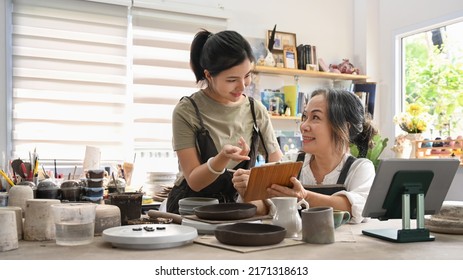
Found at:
<point>161,76</point>
<point>69,79</point>
<point>94,74</point>
<point>433,77</point>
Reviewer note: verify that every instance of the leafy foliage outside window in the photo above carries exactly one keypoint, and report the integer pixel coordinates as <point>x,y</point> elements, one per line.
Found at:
<point>434,78</point>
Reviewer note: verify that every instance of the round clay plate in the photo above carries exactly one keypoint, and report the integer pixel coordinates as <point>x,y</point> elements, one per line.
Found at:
<point>448,220</point>
<point>202,227</point>
<point>250,234</point>
<point>226,211</point>
<point>186,205</point>
<point>150,236</point>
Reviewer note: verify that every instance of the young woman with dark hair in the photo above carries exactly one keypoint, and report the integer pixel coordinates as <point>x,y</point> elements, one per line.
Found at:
<point>219,127</point>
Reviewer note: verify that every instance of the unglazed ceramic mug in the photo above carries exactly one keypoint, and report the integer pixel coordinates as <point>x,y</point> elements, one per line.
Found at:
<point>340,217</point>
<point>318,225</point>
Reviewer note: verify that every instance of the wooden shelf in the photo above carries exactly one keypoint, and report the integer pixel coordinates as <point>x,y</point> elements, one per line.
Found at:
<point>306,73</point>
<point>440,152</point>
<point>285,118</point>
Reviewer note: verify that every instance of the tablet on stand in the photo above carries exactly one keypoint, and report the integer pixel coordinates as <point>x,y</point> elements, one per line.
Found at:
<point>408,189</point>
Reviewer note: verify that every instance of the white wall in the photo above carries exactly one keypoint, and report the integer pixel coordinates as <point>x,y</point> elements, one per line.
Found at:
<point>362,30</point>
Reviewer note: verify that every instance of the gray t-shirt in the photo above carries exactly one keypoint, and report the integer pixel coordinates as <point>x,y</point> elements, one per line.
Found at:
<point>225,123</point>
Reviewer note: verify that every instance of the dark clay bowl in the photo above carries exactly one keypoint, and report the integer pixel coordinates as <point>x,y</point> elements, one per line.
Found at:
<point>250,234</point>
<point>48,189</point>
<point>226,211</point>
<point>71,190</point>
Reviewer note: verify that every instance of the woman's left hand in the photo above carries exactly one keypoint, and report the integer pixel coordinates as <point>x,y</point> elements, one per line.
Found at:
<point>296,191</point>
<point>240,180</point>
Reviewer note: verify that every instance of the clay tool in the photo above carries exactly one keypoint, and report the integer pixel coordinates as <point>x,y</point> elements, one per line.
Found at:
<point>74,173</point>
<point>6,177</point>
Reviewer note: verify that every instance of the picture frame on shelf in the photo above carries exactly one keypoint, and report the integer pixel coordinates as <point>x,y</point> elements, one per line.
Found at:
<point>274,101</point>
<point>282,39</point>
<point>290,57</point>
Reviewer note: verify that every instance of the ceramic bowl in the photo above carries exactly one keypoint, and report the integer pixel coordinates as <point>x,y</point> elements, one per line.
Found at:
<point>47,189</point>
<point>95,174</point>
<point>250,234</point>
<point>187,205</point>
<point>226,211</point>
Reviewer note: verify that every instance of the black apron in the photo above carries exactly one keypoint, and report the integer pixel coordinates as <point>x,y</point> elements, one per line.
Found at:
<point>330,189</point>
<point>222,188</point>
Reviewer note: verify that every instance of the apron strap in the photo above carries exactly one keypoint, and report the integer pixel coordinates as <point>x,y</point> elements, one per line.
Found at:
<point>197,112</point>
<point>344,170</point>
<point>256,127</point>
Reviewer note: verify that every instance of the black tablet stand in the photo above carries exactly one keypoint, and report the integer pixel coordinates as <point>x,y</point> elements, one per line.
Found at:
<point>412,187</point>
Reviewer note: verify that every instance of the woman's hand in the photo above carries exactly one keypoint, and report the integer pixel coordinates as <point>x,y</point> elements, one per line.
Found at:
<point>240,180</point>
<point>296,191</point>
<point>237,153</point>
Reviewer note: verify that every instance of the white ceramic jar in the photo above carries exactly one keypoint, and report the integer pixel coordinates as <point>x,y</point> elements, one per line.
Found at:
<point>39,224</point>
<point>18,195</point>
<point>19,218</point>
<point>8,232</point>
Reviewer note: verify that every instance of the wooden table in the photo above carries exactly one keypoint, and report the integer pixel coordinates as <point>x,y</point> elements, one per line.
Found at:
<point>351,244</point>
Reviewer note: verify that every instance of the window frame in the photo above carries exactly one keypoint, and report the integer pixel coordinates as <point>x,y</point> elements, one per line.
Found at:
<point>399,76</point>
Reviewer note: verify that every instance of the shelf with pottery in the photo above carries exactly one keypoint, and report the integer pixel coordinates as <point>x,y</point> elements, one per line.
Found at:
<point>449,149</point>
<point>296,73</point>
<point>293,118</point>
<point>308,73</point>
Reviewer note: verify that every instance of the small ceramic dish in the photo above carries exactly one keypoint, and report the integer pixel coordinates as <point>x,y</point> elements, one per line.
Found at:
<point>250,234</point>
<point>187,205</point>
<point>198,201</point>
<point>226,211</point>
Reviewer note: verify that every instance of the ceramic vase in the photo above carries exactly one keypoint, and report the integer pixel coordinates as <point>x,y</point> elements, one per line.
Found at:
<point>269,59</point>
<point>413,137</point>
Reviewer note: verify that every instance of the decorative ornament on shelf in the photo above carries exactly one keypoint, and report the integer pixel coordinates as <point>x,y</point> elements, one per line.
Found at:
<point>269,59</point>
<point>402,147</point>
<point>345,67</point>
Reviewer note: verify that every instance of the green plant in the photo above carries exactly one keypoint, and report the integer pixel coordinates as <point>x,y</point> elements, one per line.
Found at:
<point>379,144</point>
<point>434,80</point>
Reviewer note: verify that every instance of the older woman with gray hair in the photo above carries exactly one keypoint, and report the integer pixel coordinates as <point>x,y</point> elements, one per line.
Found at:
<point>332,120</point>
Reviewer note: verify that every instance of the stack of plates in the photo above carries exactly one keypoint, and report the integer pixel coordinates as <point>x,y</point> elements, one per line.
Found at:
<point>159,182</point>
<point>187,205</point>
<point>162,195</point>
